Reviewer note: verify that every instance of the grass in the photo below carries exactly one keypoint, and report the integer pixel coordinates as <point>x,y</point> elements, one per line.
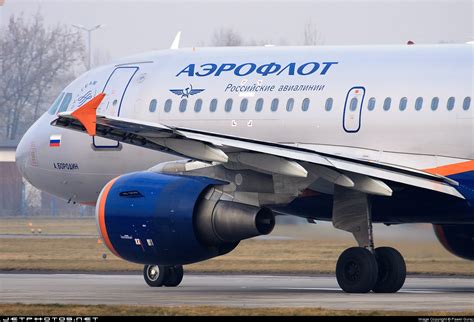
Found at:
<point>251,256</point>
<point>75,226</point>
<point>313,252</point>
<point>116,310</point>
<point>309,252</point>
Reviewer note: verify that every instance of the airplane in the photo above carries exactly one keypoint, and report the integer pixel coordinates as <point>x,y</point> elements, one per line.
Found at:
<point>186,152</point>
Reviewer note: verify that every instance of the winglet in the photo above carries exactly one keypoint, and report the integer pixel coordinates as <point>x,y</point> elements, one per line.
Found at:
<point>86,114</point>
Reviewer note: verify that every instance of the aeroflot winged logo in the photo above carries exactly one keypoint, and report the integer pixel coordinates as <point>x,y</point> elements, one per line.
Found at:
<point>245,69</point>
<point>184,93</point>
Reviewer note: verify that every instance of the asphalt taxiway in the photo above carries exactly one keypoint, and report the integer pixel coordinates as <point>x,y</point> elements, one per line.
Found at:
<point>419,293</point>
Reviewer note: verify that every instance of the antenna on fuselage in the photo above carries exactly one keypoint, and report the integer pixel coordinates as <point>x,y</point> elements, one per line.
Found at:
<point>177,38</point>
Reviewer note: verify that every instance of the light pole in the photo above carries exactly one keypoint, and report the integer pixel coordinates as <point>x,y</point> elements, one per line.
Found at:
<point>89,31</point>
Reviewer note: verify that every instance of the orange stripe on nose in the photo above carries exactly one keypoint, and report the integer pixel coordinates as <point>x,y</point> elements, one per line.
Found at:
<point>450,169</point>
<point>102,226</point>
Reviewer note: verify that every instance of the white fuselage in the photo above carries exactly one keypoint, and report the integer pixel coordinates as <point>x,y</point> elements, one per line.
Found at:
<point>436,132</point>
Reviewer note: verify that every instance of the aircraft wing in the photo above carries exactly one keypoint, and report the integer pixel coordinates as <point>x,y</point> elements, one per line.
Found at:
<point>269,157</point>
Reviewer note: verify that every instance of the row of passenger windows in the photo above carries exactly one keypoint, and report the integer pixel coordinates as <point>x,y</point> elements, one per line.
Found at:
<point>305,104</point>
<point>434,104</point>
<point>244,103</point>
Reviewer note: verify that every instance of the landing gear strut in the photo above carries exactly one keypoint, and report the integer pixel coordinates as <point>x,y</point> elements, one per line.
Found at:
<point>364,268</point>
<point>158,275</point>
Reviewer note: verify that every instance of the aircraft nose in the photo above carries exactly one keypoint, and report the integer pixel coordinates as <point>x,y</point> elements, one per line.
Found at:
<point>21,154</point>
<point>25,155</point>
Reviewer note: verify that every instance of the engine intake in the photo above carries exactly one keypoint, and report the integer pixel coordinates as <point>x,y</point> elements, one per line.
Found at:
<point>153,218</point>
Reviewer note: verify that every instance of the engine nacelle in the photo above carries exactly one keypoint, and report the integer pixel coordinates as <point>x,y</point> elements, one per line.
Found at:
<point>153,218</point>
<point>457,239</point>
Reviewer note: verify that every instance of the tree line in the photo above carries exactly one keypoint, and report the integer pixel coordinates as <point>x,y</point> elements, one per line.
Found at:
<point>37,60</point>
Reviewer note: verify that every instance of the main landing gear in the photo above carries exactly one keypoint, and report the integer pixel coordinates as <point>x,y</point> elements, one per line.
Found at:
<point>358,270</point>
<point>157,275</point>
<point>365,268</point>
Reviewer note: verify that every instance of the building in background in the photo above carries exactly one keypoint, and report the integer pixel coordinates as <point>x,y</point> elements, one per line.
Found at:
<point>11,181</point>
<point>19,198</point>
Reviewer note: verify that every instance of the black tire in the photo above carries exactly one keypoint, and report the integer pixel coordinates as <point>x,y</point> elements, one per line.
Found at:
<point>154,275</point>
<point>392,270</point>
<point>356,270</point>
<point>174,276</point>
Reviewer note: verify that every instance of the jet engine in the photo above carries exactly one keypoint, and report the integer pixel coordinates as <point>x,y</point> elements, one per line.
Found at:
<point>457,239</point>
<point>152,218</point>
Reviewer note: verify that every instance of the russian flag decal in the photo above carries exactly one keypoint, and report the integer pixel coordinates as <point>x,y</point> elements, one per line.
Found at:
<point>55,140</point>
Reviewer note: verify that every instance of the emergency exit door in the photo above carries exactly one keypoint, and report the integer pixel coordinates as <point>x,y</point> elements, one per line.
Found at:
<point>352,115</point>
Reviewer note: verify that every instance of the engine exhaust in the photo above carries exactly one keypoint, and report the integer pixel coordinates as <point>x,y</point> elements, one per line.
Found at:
<point>229,222</point>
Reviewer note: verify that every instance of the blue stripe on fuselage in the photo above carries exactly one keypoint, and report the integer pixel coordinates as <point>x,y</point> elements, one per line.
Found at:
<point>466,184</point>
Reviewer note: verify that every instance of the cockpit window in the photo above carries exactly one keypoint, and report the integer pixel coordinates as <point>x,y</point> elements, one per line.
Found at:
<point>54,107</point>
<point>65,103</point>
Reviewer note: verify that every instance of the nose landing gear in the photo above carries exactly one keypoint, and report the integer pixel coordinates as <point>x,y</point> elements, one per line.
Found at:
<point>158,275</point>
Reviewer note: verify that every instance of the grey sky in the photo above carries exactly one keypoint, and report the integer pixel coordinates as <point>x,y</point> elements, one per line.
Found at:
<point>137,26</point>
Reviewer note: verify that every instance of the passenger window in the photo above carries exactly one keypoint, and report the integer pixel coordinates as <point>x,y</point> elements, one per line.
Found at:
<point>419,103</point>
<point>387,103</point>
<point>328,105</point>
<point>54,107</point>
<point>152,107</point>
<point>353,104</point>
<point>65,103</point>
<point>305,105</point>
<point>228,105</point>
<point>289,104</point>
<point>213,105</point>
<point>466,104</point>
<point>274,106</point>
<point>182,105</point>
<point>371,105</point>
<point>168,104</point>
<point>450,104</point>
<point>243,105</point>
<point>403,103</point>
<point>434,103</point>
<point>259,105</point>
<point>198,105</point>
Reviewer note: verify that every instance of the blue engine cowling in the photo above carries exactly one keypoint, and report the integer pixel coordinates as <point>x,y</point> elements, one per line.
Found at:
<point>457,239</point>
<point>152,218</point>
